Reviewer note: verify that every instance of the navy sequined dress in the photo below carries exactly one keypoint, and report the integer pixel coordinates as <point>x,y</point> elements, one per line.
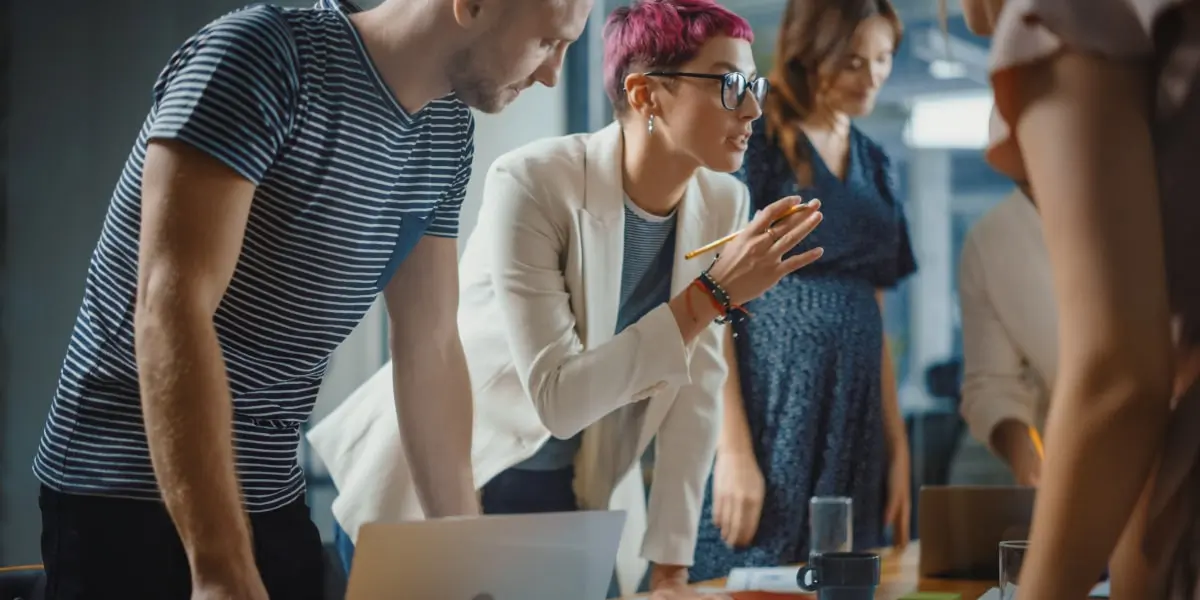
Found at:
<point>810,357</point>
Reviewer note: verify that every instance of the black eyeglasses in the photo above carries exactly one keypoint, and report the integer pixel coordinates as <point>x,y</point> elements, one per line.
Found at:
<point>733,86</point>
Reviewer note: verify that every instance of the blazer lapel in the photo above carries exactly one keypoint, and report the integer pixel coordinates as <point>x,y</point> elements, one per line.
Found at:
<point>602,232</point>
<point>691,232</point>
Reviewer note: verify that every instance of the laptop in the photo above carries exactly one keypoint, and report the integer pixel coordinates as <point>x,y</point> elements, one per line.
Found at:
<point>961,527</point>
<point>545,556</point>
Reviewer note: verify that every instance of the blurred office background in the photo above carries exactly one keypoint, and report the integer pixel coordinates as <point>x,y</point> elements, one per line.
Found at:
<point>75,80</point>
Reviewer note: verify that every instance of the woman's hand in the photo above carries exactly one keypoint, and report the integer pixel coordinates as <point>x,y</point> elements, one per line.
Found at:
<point>738,491</point>
<point>684,593</point>
<point>753,262</point>
<point>670,582</point>
<point>899,502</point>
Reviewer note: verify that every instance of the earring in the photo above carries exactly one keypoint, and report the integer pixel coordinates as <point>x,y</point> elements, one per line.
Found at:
<point>650,124</point>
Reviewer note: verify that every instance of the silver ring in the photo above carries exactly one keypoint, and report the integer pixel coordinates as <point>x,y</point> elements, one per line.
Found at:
<point>771,234</point>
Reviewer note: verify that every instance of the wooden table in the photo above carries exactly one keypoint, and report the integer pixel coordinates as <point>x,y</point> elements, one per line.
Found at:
<point>898,576</point>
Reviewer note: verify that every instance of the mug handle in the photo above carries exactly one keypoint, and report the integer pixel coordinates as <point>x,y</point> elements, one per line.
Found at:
<point>807,579</point>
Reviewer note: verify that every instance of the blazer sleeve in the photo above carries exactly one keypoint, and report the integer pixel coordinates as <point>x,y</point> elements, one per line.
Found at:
<point>570,386</point>
<point>994,389</point>
<point>686,444</point>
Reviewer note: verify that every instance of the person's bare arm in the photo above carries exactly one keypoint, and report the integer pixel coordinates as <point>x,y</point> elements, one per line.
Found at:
<point>893,420</point>
<point>223,109</point>
<point>735,429</point>
<point>1084,129</point>
<point>899,505</point>
<point>194,212</point>
<point>738,487</point>
<point>432,386</point>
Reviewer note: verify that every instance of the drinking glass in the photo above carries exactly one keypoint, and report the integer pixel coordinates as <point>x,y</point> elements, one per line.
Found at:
<point>830,525</point>
<point>1012,554</point>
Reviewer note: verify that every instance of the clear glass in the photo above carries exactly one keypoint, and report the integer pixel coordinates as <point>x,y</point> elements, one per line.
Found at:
<point>1012,554</point>
<point>830,525</point>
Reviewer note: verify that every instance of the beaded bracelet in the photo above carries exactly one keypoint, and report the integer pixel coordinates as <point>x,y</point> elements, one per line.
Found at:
<point>728,312</point>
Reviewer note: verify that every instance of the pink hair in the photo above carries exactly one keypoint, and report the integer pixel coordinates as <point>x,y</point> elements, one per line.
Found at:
<point>662,34</point>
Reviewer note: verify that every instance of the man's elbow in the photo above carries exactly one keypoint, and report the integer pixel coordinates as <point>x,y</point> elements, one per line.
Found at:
<point>988,402</point>
<point>160,309</point>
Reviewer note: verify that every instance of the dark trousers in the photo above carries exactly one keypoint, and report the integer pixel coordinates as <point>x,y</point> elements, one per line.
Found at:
<point>517,491</point>
<point>96,547</point>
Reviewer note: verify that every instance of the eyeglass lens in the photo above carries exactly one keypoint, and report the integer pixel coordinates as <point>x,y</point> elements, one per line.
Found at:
<point>735,86</point>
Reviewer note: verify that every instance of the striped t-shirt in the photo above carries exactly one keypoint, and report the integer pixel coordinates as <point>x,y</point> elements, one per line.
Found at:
<point>348,182</point>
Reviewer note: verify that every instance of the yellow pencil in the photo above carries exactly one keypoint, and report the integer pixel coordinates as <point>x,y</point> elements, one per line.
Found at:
<point>729,238</point>
<point>1037,442</point>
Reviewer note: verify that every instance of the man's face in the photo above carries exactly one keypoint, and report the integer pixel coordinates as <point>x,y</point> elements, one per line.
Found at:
<point>524,43</point>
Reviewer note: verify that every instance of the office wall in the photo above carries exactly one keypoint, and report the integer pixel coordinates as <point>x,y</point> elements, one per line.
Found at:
<point>78,84</point>
<point>78,87</point>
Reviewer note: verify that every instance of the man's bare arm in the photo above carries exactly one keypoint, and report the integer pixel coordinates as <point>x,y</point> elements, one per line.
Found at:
<point>194,212</point>
<point>432,386</point>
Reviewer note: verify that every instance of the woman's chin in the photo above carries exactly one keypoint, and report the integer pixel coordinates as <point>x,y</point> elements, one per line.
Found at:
<point>727,162</point>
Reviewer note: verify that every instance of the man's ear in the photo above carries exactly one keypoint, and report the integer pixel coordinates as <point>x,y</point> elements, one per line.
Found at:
<point>640,94</point>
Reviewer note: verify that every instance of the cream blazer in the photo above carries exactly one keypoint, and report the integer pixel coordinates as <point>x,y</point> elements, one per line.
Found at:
<point>540,284</point>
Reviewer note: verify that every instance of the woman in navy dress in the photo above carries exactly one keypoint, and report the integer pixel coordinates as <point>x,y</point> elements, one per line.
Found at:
<point>812,408</point>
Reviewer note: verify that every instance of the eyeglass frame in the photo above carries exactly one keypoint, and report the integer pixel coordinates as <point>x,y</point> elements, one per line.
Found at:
<point>724,79</point>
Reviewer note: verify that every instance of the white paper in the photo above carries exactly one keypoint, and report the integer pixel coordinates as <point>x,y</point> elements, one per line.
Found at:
<point>764,579</point>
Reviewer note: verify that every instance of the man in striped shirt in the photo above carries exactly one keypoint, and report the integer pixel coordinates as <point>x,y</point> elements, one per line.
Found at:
<point>294,164</point>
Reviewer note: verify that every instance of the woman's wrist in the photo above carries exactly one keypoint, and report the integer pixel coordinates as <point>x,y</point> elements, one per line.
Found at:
<point>668,576</point>
<point>734,443</point>
<point>897,444</point>
<point>693,312</point>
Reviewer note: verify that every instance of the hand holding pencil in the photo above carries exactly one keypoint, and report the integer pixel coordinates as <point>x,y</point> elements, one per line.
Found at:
<point>795,208</point>
<point>752,260</point>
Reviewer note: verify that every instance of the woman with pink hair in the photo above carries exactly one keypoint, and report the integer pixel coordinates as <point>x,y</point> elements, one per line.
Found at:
<point>588,331</point>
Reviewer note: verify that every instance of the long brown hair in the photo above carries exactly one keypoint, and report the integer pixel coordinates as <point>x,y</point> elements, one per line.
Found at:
<point>813,34</point>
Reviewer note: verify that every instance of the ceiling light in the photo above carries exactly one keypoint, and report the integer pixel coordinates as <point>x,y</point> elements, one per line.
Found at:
<point>957,121</point>
<point>947,69</point>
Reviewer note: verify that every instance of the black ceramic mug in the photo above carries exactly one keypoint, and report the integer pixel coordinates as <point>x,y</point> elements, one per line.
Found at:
<point>841,576</point>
